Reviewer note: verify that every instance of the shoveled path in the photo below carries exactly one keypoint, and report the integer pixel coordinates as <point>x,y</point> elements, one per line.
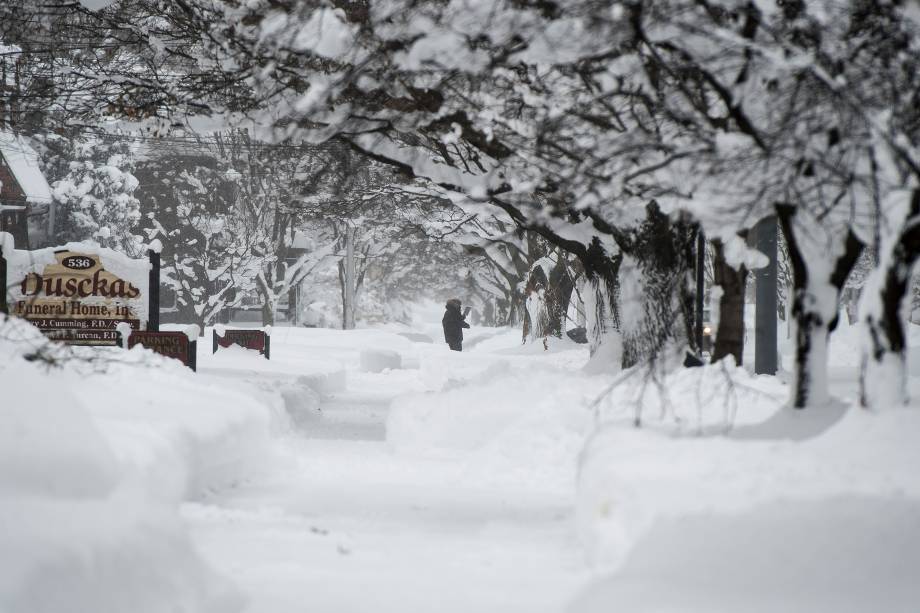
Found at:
<point>341,523</point>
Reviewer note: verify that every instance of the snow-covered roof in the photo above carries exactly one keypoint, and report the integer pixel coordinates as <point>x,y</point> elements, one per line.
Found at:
<point>23,162</point>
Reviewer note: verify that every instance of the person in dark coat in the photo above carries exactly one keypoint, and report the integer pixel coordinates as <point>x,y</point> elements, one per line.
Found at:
<point>453,322</point>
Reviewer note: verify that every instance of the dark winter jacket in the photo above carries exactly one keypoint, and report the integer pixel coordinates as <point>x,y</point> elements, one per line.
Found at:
<point>453,324</point>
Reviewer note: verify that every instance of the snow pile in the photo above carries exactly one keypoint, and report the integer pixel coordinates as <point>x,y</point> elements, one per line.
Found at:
<point>439,369</point>
<point>324,381</point>
<point>706,400</point>
<point>286,368</point>
<point>378,360</point>
<point>301,400</point>
<point>95,458</point>
<point>726,516</point>
<point>843,555</point>
<point>525,428</point>
<point>180,432</point>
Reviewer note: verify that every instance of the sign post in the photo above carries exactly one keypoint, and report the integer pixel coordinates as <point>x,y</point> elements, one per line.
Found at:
<point>700,289</point>
<point>4,308</point>
<point>153,285</point>
<point>348,322</point>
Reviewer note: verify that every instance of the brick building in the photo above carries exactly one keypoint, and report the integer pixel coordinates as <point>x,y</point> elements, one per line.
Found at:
<point>26,206</point>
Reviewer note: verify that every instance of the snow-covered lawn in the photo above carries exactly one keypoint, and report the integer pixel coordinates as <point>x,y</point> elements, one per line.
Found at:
<point>373,470</point>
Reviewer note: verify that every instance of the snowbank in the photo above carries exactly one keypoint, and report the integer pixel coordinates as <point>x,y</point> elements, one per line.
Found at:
<point>240,364</point>
<point>847,554</point>
<point>684,496</point>
<point>525,428</point>
<point>378,360</point>
<point>95,458</point>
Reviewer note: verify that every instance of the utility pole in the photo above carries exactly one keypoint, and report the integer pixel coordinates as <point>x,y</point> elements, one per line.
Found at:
<point>294,304</point>
<point>349,322</point>
<point>765,353</point>
<point>700,289</point>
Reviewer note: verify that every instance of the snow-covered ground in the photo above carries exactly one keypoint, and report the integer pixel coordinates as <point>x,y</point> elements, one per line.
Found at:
<point>95,458</point>
<point>374,470</point>
<point>445,485</point>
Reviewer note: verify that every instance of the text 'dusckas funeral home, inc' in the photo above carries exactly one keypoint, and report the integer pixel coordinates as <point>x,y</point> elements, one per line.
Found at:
<point>78,294</point>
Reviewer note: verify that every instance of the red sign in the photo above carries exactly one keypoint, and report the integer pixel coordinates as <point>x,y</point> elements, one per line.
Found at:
<point>171,344</point>
<point>257,340</point>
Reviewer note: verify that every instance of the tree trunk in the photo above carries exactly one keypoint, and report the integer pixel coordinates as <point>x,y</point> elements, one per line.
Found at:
<point>883,372</point>
<point>516,311</point>
<point>602,323</point>
<point>536,316</point>
<point>561,285</point>
<point>268,303</point>
<point>488,313</point>
<point>790,292</point>
<point>548,299</point>
<point>729,339</point>
<point>814,305</point>
<point>809,386</point>
<point>600,294</point>
<point>268,313</point>
<point>348,321</point>
<point>658,277</point>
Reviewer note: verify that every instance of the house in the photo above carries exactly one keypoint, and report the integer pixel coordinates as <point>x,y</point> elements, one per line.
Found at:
<point>26,206</point>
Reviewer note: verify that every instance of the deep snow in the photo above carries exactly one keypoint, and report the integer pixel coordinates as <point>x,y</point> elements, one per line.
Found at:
<point>95,458</point>
<point>390,495</point>
<point>374,470</point>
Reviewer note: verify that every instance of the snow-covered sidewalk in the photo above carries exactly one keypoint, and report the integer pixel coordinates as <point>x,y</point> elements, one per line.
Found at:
<point>411,489</point>
<point>485,481</point>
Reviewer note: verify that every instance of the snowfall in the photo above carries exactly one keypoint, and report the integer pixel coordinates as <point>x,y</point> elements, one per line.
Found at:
<point>373,470</point>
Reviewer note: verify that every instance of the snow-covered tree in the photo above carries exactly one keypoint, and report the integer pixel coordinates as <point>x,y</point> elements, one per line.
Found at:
<point>272,184</point>
<point>190,209</point>
<point>96,199</point>
<point>603,128</point>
